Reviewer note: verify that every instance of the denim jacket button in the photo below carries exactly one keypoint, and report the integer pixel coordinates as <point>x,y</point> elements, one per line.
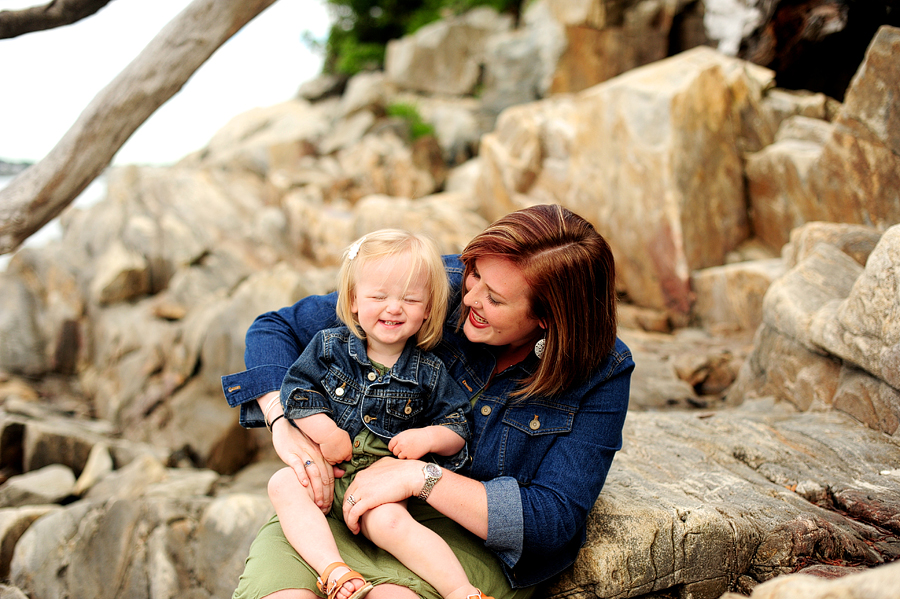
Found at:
<point>485,410</point>
<point>339,391</point>
<point>371,376</point>
<point>534,424</point>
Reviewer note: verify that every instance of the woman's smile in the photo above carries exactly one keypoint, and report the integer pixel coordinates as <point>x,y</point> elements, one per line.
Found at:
<point>477,320</point>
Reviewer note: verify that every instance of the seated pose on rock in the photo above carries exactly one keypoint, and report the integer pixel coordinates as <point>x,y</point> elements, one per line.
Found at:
<point>530,338</point>
<point>372,384</point>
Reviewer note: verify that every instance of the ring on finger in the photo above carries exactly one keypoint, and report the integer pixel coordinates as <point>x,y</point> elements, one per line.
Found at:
<point>350,499</point>
<point>307,463</point>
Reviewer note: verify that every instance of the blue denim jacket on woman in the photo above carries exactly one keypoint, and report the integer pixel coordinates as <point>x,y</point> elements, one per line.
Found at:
<point>542,460</point>
<point>334,376</point>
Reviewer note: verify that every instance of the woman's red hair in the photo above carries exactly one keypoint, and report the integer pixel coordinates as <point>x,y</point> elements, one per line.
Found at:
<point>570,270</point>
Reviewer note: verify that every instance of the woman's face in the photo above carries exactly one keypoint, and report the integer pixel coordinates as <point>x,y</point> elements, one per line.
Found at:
<point>499,304</point>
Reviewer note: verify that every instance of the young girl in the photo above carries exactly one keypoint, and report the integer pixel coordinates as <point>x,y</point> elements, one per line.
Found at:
<point>369,389</point>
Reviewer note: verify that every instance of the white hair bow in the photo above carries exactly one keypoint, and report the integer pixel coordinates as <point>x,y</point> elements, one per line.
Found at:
<point>354,249</point>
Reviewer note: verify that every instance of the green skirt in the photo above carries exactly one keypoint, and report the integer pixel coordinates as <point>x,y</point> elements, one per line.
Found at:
<point>273,565</point>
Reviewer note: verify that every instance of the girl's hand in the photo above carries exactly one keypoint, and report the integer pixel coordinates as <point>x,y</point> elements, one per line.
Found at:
<point>300,453</point>
<point>337,447</point>
<point>411,444</point>
<point>388,480</point>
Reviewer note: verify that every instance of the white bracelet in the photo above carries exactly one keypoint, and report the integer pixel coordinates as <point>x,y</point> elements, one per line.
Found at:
<point>272,402</point>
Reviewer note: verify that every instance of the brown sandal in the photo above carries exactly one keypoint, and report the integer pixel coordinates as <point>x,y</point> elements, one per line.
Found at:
<point>330,588</point>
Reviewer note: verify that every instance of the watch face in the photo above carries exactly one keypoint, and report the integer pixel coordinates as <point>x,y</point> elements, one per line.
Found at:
<point>432,470</point>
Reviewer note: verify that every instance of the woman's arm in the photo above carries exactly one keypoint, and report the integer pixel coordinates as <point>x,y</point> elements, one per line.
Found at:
<point>562,491</point>
<point>390,480</point>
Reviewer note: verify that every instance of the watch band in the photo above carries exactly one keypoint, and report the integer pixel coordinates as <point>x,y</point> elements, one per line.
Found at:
<point>430,481</point>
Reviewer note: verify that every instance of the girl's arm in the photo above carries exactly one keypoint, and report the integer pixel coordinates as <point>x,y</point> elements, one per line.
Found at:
<point>333,441</point>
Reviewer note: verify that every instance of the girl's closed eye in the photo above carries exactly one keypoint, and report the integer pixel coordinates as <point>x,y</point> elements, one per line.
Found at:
<point>492,301</point>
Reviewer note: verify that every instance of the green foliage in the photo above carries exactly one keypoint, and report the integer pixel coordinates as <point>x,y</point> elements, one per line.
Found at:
<point>362,28</point>
<point>417,126</point>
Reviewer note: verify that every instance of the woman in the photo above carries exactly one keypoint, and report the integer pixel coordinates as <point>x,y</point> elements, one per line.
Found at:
<point>533,344</point>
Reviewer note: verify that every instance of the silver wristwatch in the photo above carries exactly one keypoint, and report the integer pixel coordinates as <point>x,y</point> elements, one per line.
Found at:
<point>433,474</point>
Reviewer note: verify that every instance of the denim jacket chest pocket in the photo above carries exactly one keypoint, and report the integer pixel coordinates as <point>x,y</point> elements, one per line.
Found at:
<point>341,388</point>
<point>529,431</point>
<point>405,405</point>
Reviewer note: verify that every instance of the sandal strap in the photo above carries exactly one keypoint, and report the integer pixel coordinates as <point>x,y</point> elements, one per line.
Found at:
<point>322,581</point>
<point>330,587</point>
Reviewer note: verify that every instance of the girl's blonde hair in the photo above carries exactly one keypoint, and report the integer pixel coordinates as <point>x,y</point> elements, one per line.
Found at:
<point>425,258</point>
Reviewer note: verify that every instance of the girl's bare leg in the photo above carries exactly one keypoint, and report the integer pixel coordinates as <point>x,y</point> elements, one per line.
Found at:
<point>391,527</point>
<point>306,528</point>
<point>292,594</point>
<point>391,591</point>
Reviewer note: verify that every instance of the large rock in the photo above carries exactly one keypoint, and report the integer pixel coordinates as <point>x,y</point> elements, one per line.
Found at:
<point>650,157</point>
<point>876,583</point>
<point>864,328</point>
<point>846,172</point>
<point>46,485</point>
<point>383,163</point>
<point>245,142</point>
<point>779,183</point>
<point>22,344</point>
<point>444,57</point>
<point>730,297</point>
<point>707,502</point>
<point>13,523</point>
<point>139,548</point>
<point>828,339</point>
<point>605,38</point>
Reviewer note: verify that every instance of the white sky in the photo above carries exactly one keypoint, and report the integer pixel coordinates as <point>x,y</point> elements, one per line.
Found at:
<point>48,77</point>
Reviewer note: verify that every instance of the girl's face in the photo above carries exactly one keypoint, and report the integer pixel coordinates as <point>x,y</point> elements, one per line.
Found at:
<point>499,305</point>
<point>390,305</point>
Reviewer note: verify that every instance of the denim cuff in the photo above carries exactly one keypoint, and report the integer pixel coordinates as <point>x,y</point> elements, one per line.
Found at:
<point>505,521</point>
<point>243,388</point>
<point>300,399</point>
<point>453,462</point>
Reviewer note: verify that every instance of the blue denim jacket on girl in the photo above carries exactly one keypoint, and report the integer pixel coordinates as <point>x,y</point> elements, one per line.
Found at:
<point>542,460</point>
<point>334,376</point>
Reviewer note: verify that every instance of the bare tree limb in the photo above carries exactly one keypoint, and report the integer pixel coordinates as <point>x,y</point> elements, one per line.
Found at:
<point>41,192</point>
<point>38,18</point>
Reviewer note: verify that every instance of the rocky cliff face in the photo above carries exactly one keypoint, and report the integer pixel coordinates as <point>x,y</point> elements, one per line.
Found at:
<point>756,233</point>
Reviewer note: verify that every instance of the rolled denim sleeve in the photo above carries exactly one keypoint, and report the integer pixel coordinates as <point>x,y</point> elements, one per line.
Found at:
<point>273,342</point>
<point>505,519</point>
<point>242,388</point>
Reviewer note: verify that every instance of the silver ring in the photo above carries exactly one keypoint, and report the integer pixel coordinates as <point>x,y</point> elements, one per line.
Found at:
<point>350,500</point>
<point>307,463</point>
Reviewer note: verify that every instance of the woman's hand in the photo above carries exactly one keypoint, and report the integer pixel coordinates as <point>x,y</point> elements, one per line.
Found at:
<point>296,449</point>
<point>388,480</point>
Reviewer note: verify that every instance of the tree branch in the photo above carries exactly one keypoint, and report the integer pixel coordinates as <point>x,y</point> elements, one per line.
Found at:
<point>41,192</point>
<point>38,18</point>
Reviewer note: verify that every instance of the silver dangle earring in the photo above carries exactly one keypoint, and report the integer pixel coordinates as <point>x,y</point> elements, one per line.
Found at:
<point>539,347</point>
